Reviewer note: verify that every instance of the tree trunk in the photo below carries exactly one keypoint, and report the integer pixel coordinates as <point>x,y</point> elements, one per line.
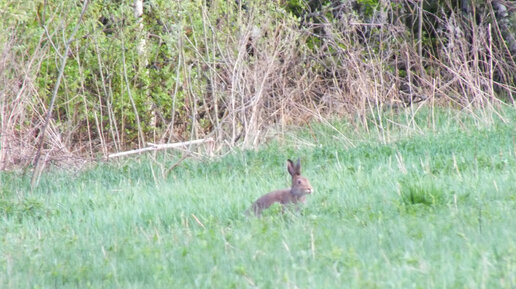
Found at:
<point>142,55</point>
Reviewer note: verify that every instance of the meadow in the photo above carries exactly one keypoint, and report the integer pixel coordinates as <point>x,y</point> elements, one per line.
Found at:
<point>416,202</point>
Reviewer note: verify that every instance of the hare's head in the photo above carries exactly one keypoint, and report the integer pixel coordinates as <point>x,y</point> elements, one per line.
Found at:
<point>300,185</point>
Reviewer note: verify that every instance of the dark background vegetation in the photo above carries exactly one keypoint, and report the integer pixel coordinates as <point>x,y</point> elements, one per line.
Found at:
<point>114,79</point>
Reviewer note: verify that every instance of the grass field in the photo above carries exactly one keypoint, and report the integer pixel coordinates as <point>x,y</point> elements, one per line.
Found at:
<point>427,203</point>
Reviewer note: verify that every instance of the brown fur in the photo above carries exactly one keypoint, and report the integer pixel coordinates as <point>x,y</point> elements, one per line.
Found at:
<point>297,193</point>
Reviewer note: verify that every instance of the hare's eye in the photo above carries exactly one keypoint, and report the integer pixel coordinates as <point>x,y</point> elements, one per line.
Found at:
<point>299,182</point>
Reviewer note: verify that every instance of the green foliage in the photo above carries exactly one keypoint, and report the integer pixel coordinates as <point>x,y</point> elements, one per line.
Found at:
<point>369,6</point>
<point>426,209</point>
<point>296,7</point>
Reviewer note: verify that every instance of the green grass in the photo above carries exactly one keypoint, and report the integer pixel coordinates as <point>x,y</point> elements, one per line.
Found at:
<point>432,205</point>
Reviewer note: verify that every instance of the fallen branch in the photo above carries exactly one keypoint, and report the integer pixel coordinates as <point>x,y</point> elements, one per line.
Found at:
<point>155,147</point>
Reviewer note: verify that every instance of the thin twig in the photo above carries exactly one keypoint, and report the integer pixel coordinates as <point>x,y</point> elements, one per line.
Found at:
<point>198,222</point>
<point>36,173</point>
<point>167,172</point>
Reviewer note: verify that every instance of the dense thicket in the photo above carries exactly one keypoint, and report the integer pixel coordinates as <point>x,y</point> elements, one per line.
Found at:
<point>231,70</point>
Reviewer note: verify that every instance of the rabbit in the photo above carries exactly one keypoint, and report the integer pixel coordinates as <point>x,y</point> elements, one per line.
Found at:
<point>297,193</point>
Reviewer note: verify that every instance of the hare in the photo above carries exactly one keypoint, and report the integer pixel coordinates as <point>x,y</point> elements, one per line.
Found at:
<point>297,193</point>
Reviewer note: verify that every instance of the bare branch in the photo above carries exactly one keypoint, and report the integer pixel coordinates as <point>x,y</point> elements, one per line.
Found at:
<point>64,58</point>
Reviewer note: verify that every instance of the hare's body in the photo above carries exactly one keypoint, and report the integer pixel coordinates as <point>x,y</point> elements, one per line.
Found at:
<point>283,197</point>
<point>297,193</point>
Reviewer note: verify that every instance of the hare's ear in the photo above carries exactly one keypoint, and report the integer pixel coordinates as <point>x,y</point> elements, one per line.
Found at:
<point>297,168</point>
<point>290,168</point>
